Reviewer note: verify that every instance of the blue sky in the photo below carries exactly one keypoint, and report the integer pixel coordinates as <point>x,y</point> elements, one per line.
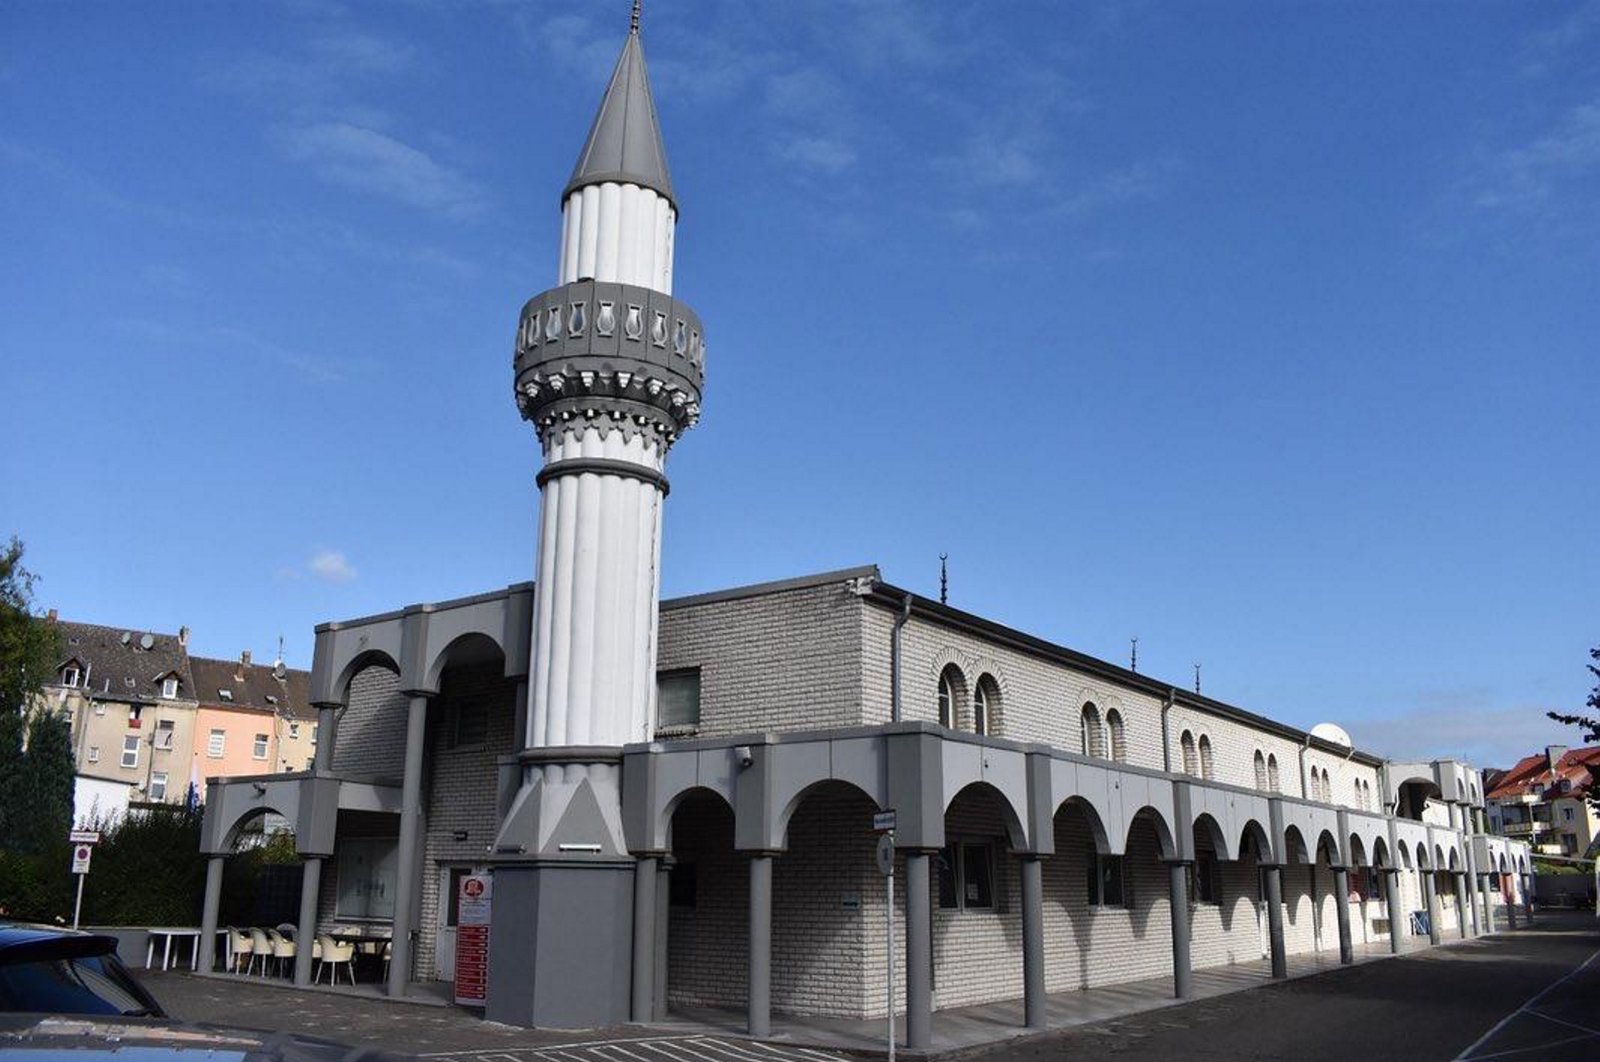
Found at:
<point>1264,332</point>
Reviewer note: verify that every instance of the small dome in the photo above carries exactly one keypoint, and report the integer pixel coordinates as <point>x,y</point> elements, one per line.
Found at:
<point>1333,732</point>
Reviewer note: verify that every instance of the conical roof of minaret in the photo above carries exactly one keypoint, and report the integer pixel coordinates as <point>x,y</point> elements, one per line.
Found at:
<point>624,143</point>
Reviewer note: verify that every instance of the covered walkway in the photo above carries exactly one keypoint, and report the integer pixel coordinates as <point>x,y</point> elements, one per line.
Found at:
<point>968,1027</point>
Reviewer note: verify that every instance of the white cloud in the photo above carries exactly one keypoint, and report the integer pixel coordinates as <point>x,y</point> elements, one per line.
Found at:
<point>819,154</point>
<point>330,566</point>
<point>1534,175</point>
<point>365,160</point>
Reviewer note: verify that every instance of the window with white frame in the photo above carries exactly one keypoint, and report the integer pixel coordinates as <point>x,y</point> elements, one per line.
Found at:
<point>158,785</point>
<point>966,876</point>
<point>130,750</point>
<point>169,687</point>
<point>165,730</point>
<point>1104,880</point>
<point>99,708</point>
<point>258,748</point>
<point>69,676</point>
<point>985,704</point>
<point>294,731</point>
<point>94,753</point>
<point>949,683</point>
<point>216,742</point>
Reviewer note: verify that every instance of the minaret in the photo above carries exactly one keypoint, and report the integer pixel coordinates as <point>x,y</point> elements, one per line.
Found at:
<point>609,368</point>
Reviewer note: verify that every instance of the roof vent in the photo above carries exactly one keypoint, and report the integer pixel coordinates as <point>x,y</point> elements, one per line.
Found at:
<point>146,642</point>
<point>1333,732</point>
<point>126,637</point>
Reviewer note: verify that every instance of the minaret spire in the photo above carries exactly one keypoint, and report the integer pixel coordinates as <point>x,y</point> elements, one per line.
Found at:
<point>633,23</point>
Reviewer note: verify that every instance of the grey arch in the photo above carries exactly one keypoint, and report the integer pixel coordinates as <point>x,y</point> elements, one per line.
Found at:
<point>1015,834</point>
<point>1163,828</point>
<point>1380,853</point>
<point>468,647</point>
<point>1091,814</point>
<point>1358,851</point>
<point>1294,846</point>
<point>671,808</point>
<point>1204,823</point>
<point>358,663</point>
<point>781,826</point>
<point>1254,831</point>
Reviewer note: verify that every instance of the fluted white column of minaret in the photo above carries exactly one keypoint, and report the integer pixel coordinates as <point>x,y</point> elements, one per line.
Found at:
<point>618,232</point>
<point>595,602</point>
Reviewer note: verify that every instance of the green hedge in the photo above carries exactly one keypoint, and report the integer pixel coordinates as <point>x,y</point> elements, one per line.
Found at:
<point>147,871</point>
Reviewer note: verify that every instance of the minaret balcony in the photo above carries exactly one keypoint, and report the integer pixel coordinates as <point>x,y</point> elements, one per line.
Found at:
<point>598,350</point>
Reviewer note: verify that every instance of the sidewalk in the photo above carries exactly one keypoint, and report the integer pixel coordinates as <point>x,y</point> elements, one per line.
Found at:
<point>425,1023</point>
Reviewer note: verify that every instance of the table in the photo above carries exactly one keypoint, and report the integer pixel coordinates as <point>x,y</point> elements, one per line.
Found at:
<point>369,940</point>
<point>169,934</point>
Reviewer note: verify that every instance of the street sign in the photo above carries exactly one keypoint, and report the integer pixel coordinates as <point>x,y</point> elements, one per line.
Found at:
<point>84,836</point>
<point>81,854</point>
<point>885,855</point>
<point>883,820</point>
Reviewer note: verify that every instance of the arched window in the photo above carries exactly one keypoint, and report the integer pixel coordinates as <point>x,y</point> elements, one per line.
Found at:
<point>1119,744</point>
<point>1094,743</point>
<point>1191,762</point>
<point>1327,787</point>
<point>949,685</point>
<point>1273,783</point>
<point>1261,770</point>
<point>1207,767</point>
<point>985,705</point>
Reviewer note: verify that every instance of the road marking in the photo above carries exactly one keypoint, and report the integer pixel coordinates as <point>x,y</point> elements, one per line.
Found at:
<point>1503,1022</point>
<point>1568,1024</point>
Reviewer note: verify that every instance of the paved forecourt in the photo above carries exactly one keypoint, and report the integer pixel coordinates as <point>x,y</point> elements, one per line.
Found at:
<point>1528,995</point>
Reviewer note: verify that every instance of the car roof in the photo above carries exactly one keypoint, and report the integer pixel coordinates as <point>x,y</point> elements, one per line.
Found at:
<point>20,941</point>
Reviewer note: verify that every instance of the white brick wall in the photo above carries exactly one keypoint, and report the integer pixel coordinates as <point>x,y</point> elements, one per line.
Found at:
<point>371,736</point>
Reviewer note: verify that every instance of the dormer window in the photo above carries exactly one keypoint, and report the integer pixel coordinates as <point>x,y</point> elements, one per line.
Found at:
<point>226,695</point>
<point>169,687</point>
<point>70,675</point>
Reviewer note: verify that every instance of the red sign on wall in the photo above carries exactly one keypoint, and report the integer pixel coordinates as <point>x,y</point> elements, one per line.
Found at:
<point>472,939</point>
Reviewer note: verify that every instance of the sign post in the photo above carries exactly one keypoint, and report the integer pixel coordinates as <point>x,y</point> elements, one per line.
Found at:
<point>82,852</point>
<point>883,822</point>
<point>472,938</point>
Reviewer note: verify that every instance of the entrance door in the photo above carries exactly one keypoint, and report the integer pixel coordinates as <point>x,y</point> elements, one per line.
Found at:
<point>444,938</point>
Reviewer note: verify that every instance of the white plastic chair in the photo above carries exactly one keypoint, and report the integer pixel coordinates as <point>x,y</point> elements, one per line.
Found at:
<point>282,948</point>
<point>334,954</point>
<point>260,948</point>
<point>242,946</point>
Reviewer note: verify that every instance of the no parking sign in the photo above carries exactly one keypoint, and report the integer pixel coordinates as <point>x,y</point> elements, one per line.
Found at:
<point>81,854</point>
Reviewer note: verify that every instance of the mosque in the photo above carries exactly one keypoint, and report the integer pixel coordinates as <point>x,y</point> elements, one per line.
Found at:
<point>678,803</point>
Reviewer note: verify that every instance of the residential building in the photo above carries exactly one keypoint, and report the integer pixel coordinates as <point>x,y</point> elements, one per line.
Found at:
<point>144,713</point>
<point>1544,800</point>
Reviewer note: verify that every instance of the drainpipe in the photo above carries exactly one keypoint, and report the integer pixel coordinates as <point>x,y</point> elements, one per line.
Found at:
<point>1305,793</point>
<point>1166,731</point>
<point>894,660</point>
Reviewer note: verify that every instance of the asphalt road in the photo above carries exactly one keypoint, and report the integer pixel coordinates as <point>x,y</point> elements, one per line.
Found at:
<point>1463,1002</point>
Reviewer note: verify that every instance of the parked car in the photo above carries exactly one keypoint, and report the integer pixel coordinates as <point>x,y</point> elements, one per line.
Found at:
<point>83,1038</point>
<point>45,970</point>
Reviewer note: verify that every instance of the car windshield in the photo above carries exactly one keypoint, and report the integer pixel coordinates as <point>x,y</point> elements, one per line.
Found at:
<point>86,985</point>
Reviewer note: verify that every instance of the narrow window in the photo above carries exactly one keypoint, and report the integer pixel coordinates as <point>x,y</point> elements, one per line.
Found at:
<point>1104,880</point>
<point>158,785</point>
<point>130,750</point>
<point>980,708</point>
<point>94,753</point>
<point>1261,770</point>
<point>1191,762</point>
<point>164,733</point>
<point>1089,724</point>
<point>258,749</point>
<point>215,743</point>
<point>169,688</point>
<point>947,696</point>
<point>678,699</point>
<point>294,731</point>
<point>1203,879</point>
<point>470,724</point>
<point>1119,745</point>
<point>977,876</point>
<point>69,677</point>
<point>1206,766</point>
<point>1272,774</point>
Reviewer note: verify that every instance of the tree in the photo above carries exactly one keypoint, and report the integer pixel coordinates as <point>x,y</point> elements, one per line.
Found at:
<point>43,792</point>
<point>1588,725</point>
<point>29,648</point>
